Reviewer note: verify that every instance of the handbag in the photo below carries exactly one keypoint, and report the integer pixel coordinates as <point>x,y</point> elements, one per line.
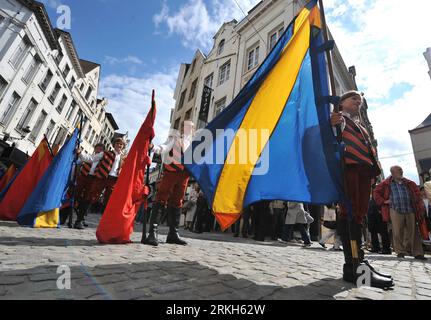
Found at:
<point>330,224</point>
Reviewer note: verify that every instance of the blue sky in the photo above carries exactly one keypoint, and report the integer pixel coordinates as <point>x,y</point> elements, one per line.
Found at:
<point>140,45</point>
<point>103,29</point>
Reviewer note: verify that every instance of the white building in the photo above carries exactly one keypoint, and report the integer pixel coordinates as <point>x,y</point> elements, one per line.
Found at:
<point>421,142</point>
<point>44,86</point>
<point>239,49</point>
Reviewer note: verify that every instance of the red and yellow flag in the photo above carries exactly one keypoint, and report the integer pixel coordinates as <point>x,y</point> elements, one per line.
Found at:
<point>25,182</point>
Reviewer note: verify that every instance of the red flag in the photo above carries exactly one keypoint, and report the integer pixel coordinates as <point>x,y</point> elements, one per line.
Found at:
<point>8,176</point>
<point>25,182</point>
<point>116,225</point>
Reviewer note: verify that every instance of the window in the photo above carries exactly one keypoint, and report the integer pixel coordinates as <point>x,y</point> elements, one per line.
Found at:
<point>273,40</point>
<point>92,137</point>
<point>193,66</point>
<point>20,52</point>
<point>50,130</point>
<point>253,58</point>
<point>62,103</point>
<point>188,115</point>
<point>10,108</point>
<point>177,124</point>
<point>224,73</point>
<point>220,105</point>
<point>72,82</point>
<point>59,58</point>
<point>75,121</point>
<point>88,132</point>
<point>87,95</point>
<point>38,126</point>
<point>280,32</point>
<point>26,116</point>
<point>220,47</point>
<point>97,139</point>
<point>46,81</point>
<point>31,71</point>
<point>66,71</point>
<point>193,89</point>
<point>183,97</point>
<point>274,37</point>
<point>209,80</point>
<point>81,88</point>
<point>70,111</point>
<point>54,93</point>
<point>3,85</point>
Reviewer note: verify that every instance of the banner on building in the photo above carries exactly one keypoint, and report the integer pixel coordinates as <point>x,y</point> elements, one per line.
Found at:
<point>205,104</point>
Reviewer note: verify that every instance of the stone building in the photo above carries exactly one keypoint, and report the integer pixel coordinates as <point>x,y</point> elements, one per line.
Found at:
<point>44,86</point>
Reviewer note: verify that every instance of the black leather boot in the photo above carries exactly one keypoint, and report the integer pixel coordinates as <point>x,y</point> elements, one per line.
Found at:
<point>152,239</point>
<point>350,274</point>
<point>378,280</point>
<point>367,263</point>
<point>173,222</point>
<point>81,212</point>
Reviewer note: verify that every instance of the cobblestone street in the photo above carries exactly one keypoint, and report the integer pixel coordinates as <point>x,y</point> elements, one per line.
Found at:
<point>212,266</point>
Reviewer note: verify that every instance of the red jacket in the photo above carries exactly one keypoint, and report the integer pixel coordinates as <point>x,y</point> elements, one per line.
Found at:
<point>382,193</point>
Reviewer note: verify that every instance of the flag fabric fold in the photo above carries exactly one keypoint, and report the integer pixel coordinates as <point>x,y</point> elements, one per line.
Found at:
<point>295,156</point>
<point>42,208</point>
<point>116,225</point>
<point>7,177</point>
<point>24,182</point>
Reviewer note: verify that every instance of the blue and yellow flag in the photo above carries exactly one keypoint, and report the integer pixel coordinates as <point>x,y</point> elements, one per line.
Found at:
<point>282,117</point>
<point>42,208</point>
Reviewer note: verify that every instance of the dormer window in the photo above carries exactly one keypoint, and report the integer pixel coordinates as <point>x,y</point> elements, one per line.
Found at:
<point>220,47</point>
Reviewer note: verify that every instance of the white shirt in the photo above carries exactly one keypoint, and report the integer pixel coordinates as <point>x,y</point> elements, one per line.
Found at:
<point>95,159</point>
<point>426,203</point>
<point>166,147</point>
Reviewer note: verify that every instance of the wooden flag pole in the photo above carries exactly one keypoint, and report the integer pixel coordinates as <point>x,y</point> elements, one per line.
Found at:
<point>353,244</point>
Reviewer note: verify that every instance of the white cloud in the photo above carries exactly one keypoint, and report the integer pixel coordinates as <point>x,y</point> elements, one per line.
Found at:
<point>129,59</point>
<point>196,21</point>
<point>54,4</point>
<point>385,40</point>
<point>130,100</point>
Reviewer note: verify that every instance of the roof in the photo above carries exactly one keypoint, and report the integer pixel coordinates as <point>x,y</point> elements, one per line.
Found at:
<point>45,23</point>
<point>88,66</point>
<point>425,124</point>
<point>111,119</point>
<point>71,50</point>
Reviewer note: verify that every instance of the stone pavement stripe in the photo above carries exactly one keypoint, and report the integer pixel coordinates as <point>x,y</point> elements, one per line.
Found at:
<point>96,284</point>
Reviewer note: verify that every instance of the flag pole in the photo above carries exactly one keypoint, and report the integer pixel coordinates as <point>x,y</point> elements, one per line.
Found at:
<point>147,175</point>
<point>75,174</point>
<point>330,65</point>
<point>49,146</point>
<point>353,244</point>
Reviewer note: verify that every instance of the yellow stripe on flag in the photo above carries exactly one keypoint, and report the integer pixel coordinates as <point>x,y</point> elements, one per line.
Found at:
<point>263,114</point>
<point>48,219</point>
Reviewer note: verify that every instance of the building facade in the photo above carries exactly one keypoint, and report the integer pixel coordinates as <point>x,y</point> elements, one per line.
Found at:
<point>239,49</point>
<point>45,87</point>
